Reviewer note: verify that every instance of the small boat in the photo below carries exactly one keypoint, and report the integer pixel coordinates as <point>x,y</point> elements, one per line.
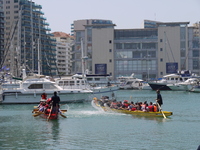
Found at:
<point>130,82</point>
<point>48,114</point>
<point>136,112</point>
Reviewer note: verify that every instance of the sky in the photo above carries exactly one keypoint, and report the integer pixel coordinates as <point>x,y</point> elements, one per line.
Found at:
<point>126,14</point>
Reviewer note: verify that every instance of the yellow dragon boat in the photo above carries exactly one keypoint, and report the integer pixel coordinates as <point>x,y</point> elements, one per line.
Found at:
<point>136,112</point>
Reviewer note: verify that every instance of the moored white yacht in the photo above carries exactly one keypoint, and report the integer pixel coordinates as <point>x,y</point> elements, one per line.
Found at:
<point>184,86</point>
<point>179,77</point>
<point>98,88</point>
<point>32,87</point>
<point>130,82</point>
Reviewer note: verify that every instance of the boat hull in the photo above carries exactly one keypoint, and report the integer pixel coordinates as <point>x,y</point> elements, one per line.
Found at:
<point>159,86</point>
<point>51,117</point>
<point>33,98</point>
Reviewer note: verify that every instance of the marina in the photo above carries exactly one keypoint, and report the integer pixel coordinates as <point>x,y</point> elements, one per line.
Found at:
<point>89,128</point>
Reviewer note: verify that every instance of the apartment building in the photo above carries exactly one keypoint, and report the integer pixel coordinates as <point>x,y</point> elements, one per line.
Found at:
<point>63,52</point>
<point>28,40</point>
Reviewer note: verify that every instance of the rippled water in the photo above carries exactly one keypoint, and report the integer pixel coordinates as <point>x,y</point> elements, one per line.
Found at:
<point>89,128</point>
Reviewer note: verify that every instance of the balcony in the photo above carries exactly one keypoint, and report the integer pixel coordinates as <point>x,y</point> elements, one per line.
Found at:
<point>38,12</point>
<point>37,6</point>
<point>45,23</point>
<point>26,19</point>
<point>50,34</point>
<point>26,8</point>
<point>26,14</point>
<point>42,18</point>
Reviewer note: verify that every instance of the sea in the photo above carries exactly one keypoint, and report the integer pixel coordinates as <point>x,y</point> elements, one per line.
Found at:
<point>89,128</point>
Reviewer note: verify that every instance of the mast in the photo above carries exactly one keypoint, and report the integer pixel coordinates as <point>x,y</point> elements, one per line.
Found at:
<point>82,59</point>
<point>38,57</point>
<point>32,40</point>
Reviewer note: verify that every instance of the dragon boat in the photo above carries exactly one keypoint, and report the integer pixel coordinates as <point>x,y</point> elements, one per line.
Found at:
<point>136,112</point>
<point>48,114</point>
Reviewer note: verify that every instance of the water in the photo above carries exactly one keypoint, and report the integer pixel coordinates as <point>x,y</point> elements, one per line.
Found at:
<point>88,128</point>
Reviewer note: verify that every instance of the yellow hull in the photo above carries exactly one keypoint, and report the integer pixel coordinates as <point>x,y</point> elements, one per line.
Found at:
<point>136,112</point>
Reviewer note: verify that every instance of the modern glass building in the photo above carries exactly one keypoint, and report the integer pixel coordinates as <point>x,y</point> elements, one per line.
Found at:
<point>135,52</point>
<point>28,41</point>
<point>158,49</point>
<point>194,48</point>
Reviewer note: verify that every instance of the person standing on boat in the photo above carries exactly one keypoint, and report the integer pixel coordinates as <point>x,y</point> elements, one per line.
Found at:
<point>159,98</point>
<point>55,101</point>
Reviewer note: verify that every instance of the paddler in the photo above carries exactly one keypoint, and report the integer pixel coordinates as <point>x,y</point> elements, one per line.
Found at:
<point>55,101</point>
<point>159,98</point>
<point>44,96</point>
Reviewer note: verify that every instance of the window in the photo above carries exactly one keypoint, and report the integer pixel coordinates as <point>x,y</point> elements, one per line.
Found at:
<point>161,59</point>
<point>7,7</point>
<point>160,40</point>
<point>161,49</point>
<point>16,6</point>
<point>110,41</point>
<point>195,53</point>
<point>110,60</point>
<point>36,86</point>
<point>195,64</point>
<point>110,50</point>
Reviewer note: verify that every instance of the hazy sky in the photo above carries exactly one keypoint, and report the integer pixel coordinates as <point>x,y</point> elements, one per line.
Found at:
<point>126,14</point>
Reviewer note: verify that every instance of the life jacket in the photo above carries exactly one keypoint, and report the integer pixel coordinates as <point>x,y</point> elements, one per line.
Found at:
<point>150,108</point>
<point>48,100</point>
<point>154,108</point>
<point>126,104</point>
<point>133,109</point>
<point>44,96</point>
<point>48,110</point>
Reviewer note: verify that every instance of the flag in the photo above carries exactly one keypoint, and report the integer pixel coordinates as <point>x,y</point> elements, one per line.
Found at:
<point>4,67</point>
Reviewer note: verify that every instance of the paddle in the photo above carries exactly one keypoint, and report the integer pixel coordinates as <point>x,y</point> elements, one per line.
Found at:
<point>37,109</point>
<point>50,113</point>
<point>161,110</point>
<point>63,115</point>
<point>37,114</point>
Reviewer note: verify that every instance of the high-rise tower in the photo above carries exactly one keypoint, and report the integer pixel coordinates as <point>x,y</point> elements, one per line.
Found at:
<point>28,40</point>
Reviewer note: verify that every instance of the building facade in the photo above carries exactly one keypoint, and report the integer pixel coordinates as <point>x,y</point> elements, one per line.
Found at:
<point>1,30</point>
<point>63,52</point>
<point>28,40</point>
<point>151,52</point>
<point>96,48</point>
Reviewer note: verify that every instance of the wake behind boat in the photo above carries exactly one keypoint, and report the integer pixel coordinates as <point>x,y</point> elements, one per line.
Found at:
<point>111,105</point>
